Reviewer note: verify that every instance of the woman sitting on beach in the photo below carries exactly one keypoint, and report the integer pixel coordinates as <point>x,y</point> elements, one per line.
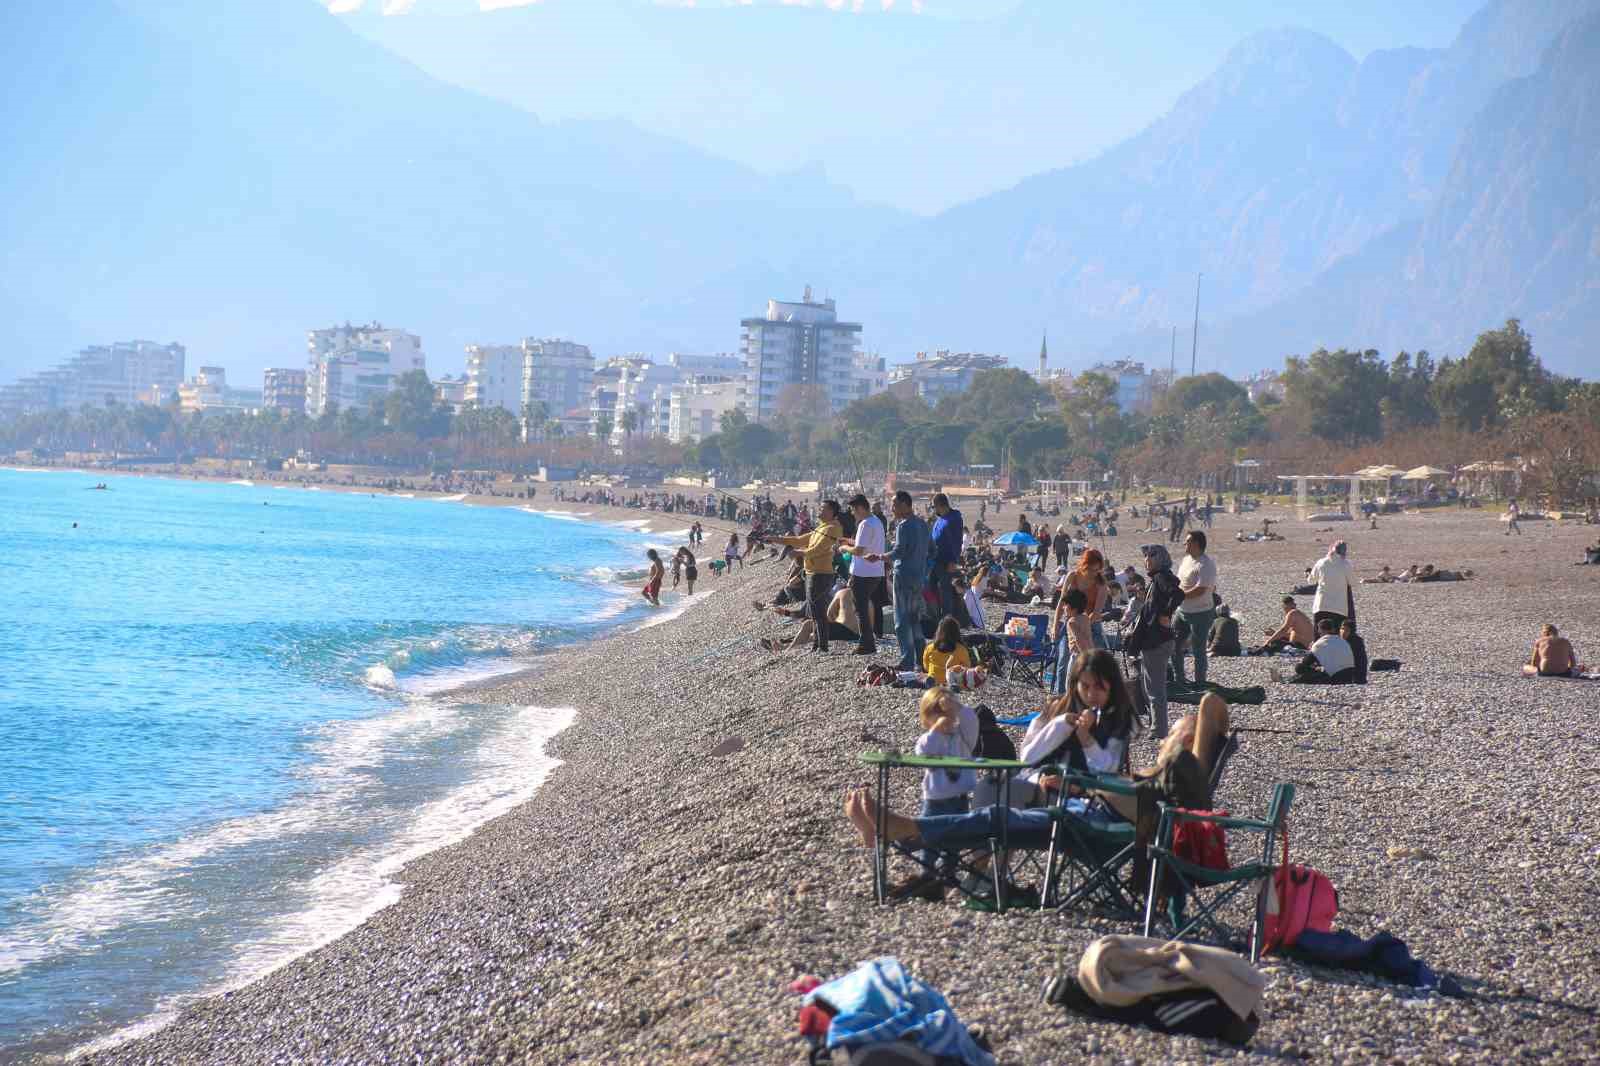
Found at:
<point>1385,576</point>
<point>652,582</point>
<point>1089,728</point>
<point>945,651</point>
<point>1552,656</point>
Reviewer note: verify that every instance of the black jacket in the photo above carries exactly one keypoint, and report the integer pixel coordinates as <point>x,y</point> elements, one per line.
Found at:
<point>1165,597</point>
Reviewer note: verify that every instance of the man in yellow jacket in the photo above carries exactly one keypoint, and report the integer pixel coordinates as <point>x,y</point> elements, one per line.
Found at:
<point>816,550</point>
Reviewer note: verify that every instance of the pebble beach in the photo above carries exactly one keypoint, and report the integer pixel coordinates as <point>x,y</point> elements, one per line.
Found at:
<point>689,858</point>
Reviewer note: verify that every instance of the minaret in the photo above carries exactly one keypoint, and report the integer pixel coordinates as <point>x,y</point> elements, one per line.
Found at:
<point>1044,354</point>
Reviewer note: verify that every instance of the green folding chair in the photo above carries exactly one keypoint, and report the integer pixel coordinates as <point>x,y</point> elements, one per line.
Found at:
<point>1209,889</point>
<point>1089,863</point>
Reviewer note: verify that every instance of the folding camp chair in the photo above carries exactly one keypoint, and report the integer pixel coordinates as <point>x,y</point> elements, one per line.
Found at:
<point>1031,655</point>
<point>1089,861</point>
<point>982,873</point>
<point>1185,880</point>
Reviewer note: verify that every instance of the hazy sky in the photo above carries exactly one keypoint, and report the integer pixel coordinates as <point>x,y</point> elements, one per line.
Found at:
<point>920,113</point>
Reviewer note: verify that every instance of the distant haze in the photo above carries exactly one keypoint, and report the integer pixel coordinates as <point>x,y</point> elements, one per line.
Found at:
<point>916,113</point>
<point>231,173</point>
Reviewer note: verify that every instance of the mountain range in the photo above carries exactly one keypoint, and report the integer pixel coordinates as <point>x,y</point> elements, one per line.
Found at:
<point>230,173</point>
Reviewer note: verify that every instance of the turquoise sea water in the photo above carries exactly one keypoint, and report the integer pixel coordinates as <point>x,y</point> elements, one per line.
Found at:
<point>217,742</point>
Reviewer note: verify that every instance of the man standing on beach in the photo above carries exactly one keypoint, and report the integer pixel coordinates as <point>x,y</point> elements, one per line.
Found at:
<point>947,535</point>
<point>816,549</point>
<point>866,568</point>
<point>910,556</point>
<point>1197,576</point>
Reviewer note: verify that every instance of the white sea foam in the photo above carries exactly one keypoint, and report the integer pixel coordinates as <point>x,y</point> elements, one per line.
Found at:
<point>451,499</point>
<point>667,614</point>
<point>244,481</point>
<point>139,889</point>
<point>507,770</point>
<point>381,676</point>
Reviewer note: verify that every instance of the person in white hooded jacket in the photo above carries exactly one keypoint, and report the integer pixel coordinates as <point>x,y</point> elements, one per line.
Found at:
<point>1334,578</point>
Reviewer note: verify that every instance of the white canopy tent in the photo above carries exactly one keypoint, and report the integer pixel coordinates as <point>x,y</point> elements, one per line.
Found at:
<point>1062,492</point>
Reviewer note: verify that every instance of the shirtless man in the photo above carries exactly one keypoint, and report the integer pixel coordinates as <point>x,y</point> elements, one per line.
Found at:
<point>1552,656</point>
<point>1296,631</point>
<point>842,621</point>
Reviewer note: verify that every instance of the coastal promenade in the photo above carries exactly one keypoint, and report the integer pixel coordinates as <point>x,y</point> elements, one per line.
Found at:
<point>652,903</point>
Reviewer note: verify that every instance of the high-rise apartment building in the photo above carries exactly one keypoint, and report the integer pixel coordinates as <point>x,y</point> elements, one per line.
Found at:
<point>800,348</point>
<point>284,389</point>
<point>558,374</point>
<point>355,366</point>
<point>126,372</point>
<point>494,377</point>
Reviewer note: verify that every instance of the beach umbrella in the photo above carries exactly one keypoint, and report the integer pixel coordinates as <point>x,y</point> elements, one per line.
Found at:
<point>1423,473</point>
<point>1016,539</point>
<point>1384,470</point>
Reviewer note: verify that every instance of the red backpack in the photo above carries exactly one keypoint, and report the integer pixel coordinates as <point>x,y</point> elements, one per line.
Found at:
<point>1298,898</point>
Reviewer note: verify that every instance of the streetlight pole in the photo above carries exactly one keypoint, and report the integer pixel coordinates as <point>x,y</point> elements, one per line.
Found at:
<point>1195,346</point>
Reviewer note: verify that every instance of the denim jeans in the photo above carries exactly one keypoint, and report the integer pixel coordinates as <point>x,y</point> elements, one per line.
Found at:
<point>908,625</point>
<point>1064,659</point>
<point>1097,630</point>
<point>944,861</point>
<point>1025,827</point>
<point>1199,633</point>
<point>1153,672</point>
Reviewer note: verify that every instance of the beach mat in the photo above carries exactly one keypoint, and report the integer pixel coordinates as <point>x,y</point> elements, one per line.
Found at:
<point>1192,693</point>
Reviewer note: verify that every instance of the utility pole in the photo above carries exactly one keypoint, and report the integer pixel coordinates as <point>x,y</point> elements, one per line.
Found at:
<point>1172,368</point>
<point>1195,348</point>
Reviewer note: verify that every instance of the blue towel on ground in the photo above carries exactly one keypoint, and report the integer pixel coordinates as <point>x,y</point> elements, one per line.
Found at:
<point>1021,719</point>
<point>878,1002</point>
<point>1385,955</point>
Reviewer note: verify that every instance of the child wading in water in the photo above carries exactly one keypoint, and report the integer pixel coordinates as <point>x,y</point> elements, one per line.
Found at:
<point>652,582</point>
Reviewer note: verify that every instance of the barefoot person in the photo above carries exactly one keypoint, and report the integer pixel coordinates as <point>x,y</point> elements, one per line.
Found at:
<point>652,582</point>
<point>1552,656</point>
<point>1297,631</point>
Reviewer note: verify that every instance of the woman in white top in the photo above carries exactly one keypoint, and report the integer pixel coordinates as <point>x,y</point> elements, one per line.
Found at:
<point>1088,729</point>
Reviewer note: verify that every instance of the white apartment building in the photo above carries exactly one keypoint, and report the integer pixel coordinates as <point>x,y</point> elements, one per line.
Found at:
<point>695,408</point>
<point>942,373</point>
<point>125,372</point>
<point>206,391</point>
<point>355,366</point>
<point>451,391</point>
<point>558,374</point>
<point>799,344</point>
<point>1134,382</point>
<point>494,377</point>
<point>284,389</point>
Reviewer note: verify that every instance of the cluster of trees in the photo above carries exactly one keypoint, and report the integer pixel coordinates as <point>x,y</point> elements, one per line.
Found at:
<point>1338,409</point>
<point>1349,397</point>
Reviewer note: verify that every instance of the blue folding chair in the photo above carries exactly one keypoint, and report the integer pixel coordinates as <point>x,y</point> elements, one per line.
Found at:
<point>1032,655</point>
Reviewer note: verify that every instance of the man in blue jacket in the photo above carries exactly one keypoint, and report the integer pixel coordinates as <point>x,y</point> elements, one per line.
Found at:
<point>909,553</point>
<point>947,533</point>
